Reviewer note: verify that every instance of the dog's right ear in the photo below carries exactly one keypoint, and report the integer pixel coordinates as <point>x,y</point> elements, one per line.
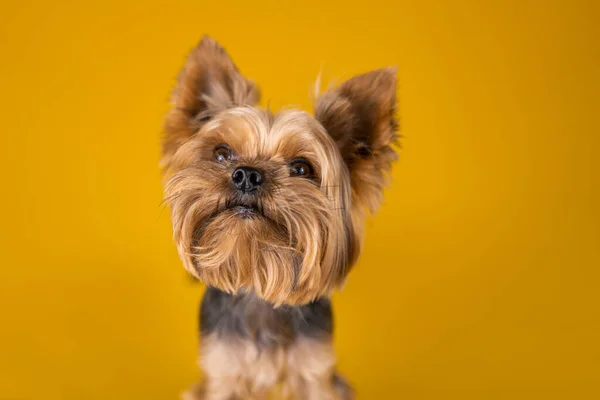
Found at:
<point>209,83</point>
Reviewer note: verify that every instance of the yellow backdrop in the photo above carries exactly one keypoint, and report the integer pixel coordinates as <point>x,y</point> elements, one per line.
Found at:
<point>480,275</point>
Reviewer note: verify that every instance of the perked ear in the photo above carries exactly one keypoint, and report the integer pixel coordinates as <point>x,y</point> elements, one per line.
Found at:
<point>209,83</point>
<point>360,117</point>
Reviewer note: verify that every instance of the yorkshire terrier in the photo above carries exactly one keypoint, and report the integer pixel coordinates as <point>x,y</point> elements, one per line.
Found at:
<point>268,211</point>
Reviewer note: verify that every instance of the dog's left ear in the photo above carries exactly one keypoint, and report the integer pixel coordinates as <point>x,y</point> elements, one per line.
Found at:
<point>360,117</point>
<point>209,83</point>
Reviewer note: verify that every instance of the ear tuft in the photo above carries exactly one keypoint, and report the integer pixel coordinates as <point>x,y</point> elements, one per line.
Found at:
<point>208,83</point>
<point>361,111</point>
<point>360,115</point>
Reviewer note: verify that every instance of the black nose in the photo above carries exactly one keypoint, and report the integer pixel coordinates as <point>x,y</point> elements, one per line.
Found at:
<point>246,179</point>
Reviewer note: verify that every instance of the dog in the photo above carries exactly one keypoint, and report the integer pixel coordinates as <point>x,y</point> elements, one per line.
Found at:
<point>268,211</point>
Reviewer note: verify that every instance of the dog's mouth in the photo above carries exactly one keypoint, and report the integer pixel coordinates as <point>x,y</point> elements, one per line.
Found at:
<point>245,210</point>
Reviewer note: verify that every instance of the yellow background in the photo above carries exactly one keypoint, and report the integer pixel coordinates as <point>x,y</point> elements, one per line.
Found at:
<point>480,275</point>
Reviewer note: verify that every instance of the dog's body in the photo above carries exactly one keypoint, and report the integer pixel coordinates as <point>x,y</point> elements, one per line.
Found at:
<point>249,347</point>
<point>268,211</point>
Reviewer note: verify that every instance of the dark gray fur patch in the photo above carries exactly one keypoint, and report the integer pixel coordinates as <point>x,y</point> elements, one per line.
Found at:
<point>245,315</point>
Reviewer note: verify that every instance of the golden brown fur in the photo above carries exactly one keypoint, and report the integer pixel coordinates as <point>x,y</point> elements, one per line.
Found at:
<point>282,254</point>
<point>237,369</point>
<point>311,372</point>
<point>294,239</point>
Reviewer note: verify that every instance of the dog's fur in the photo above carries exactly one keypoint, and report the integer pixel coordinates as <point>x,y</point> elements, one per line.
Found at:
<point>273,246</point>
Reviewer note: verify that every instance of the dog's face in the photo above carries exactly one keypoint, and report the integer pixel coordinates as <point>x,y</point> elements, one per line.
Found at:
<point>273,203</point>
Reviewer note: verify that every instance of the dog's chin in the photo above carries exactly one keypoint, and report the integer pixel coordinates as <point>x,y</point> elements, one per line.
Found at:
<point>239,248</point>
<point>242,247</point>
<point>247,222</point>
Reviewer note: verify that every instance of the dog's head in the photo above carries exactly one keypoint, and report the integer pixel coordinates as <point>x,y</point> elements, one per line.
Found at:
<point>273,203</point>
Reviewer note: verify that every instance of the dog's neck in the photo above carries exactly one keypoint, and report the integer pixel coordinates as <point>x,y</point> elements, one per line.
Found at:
<point>246,315</point>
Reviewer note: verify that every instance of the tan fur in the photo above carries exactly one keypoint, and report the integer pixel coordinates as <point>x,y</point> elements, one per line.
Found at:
<point>237,369</point>
<point>311,369</point>
<point>209,82</point>
<point>360,114</point>
<point>284,255</point>
<point>292,253</point>
<point>304,234</point>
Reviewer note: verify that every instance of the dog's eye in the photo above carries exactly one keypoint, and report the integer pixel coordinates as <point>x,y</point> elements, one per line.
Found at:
<point>301,167</point>
<point>222,153</point>
<point>363,151</point>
